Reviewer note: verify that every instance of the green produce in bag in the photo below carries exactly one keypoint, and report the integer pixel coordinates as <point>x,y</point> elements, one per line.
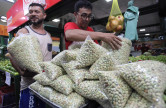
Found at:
<point>116,19</point>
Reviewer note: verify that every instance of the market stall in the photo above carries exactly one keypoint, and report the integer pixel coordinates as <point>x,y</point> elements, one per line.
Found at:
<point>94,72</point>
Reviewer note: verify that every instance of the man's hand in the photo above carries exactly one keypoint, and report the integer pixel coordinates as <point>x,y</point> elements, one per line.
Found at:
<point>22,72</point>
<point>112,40</point>
<point>27,73</point>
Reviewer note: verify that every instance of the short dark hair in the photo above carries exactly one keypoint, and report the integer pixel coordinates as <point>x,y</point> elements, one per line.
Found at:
<point>37,4</point>
<point>82,3</point>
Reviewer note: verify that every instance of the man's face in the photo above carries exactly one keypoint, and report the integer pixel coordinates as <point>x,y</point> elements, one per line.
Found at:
<point>83,17</point>
<point>36,15</point>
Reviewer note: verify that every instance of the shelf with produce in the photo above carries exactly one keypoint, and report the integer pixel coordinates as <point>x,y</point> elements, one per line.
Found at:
<point>5,66</point>
<point>161,58</point>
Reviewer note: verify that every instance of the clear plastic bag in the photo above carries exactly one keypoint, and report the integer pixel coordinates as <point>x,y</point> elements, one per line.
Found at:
<point>66,55</point>
<point>46,92</point>
<point>74,100</point>
<point>77,75</point>
<point>105,104</point>
<point>105,63</point>
<point>63,84</point>
<point>121,55</point>
<point>90,90</point>
<point>137,101</point>
<point>89,53</point>
<point>148,78</point>
<point>75,45</point>
<point>115,88</point>
<point>58,58</point>
<point>42,79</point>
<point>26,51</point>
<point>52,71</point>
<point>71,54</point>
<point>36,86</point>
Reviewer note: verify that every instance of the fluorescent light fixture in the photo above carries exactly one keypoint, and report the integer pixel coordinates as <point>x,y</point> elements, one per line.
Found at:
<point>3,20</point>
<point>23,18</point>
<point>142,30</point>
<point>10,1</point>
<point>108,0</point>
<point>147,34</point>
<point>56,20</point>
<point>3,17</point>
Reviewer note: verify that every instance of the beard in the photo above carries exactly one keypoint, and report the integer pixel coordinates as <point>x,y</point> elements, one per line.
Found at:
<point>36,23</point>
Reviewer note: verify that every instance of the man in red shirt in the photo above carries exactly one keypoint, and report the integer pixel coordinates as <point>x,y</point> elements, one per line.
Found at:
<point>79,30</point>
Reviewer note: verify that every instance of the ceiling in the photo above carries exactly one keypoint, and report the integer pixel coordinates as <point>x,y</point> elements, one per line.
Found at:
<point>148,19</point>
<point>4,7</point>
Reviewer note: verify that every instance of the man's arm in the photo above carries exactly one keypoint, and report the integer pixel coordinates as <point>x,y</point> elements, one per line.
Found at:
<point>23,31</point>
<point>80,35</point>
<point>22,72</point>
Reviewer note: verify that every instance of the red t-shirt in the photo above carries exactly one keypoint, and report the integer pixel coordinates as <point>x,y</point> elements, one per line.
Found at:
<point>72,25</point>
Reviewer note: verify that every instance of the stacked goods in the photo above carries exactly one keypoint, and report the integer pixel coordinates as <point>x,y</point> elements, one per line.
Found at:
<point>63,84</point>
<point>103,77</point>
<point>66,55</point>
<point>73,100</point>
<point>42,79</point>
<point>77,75</point>
<point>115,88</point>
<point>26,51</point>
<point>147,78</point>
<point>137,101</point>
<point>90,90</point>
<point>53,71</point>
<point>89,53</point>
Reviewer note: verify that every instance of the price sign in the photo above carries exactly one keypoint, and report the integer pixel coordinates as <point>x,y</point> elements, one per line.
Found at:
<point>8,78</point>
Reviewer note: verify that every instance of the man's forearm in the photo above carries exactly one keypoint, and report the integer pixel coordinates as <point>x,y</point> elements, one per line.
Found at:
<point>80,35</point>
